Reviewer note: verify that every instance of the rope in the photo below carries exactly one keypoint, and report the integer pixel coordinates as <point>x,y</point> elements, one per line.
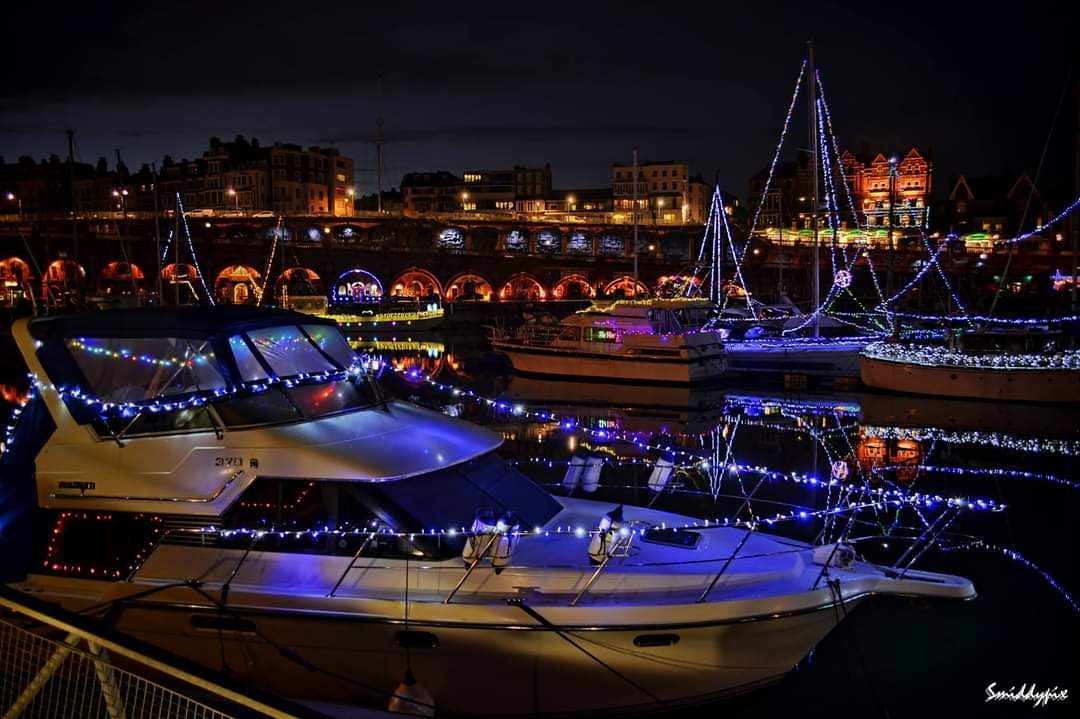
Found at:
<point>1034,183</point>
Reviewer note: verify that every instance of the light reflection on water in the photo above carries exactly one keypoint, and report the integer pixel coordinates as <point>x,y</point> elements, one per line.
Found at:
<point>891,652</point>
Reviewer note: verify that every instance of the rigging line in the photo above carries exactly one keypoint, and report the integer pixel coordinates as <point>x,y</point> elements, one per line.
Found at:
<point>776,153</point>
<point>737,262</point>
<point>293,656</point>
<point>838,600</point>
<point>1034,184</point>
<point>520,604</point>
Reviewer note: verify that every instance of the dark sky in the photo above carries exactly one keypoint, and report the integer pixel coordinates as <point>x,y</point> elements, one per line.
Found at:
<point>472,84</point>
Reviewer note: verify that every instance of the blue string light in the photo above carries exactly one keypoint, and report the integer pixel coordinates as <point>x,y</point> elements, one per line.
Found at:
<point>191,249</point>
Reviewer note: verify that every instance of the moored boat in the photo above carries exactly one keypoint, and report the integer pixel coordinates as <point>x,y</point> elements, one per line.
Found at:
<point>1046,376</point>
<point>641,341</point>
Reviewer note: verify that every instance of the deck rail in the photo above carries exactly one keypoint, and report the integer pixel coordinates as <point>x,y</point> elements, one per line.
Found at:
<point>55,664</point>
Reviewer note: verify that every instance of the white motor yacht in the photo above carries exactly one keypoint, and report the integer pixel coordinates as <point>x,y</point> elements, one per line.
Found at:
<point>224,483</point>
<point>650,341</point>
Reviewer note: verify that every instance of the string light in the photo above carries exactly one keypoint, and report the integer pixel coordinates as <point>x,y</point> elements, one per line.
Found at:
<point>776,155</point>
<point>191,249</point>
<point>1065,447</point>
<point>979,545</point>
<point>1069,209</point>
<point>937,356</point>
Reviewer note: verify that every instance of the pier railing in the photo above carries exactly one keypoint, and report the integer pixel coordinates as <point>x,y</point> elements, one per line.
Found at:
<point>57,664</point>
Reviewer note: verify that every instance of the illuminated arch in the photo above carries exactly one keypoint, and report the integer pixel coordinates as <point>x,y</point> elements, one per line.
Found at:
<point>120,271</point>
<point>356,286</point>
<point>179,272</point>
<point>549,240</point>
<point>573,287</point>
<point>14,281</point>
<point>626,286</point>
<point>469,286</point>
<point>238,285</point>
<point>516,240</point>
<point>15,269</point>
<point>416,282</point>
<point>579,243</point>
<point>298,281</point>
<point>680,285</point>
<point>64,272</point>
<point>523,286</point>
<point>450,238</point>
<point>120,278</point>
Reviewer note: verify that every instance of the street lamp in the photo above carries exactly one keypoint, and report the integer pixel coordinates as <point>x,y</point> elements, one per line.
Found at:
<point>121,195</point>
<point>231,192</point>
<point>12,198</point>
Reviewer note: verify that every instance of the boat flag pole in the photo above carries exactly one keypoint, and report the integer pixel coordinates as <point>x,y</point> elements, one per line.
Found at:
<point>634,212</point>
<point>814,149</point>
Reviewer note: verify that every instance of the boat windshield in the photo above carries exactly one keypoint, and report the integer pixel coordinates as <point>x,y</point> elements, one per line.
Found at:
<point>142,368</point>
<point>153,367</point>
<point>452,497</point>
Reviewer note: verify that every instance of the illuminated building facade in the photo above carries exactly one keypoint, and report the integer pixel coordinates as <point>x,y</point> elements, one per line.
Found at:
<point>427,192</point>
<point>877,185</point>
<point>665,192</point>
<point>522,189</point>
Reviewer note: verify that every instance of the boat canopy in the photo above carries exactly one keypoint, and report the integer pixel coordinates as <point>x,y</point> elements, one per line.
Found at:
<point>139,355</point>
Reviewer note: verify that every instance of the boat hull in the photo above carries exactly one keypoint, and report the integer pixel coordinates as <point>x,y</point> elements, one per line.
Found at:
<point>517,668</point>
<point>555,362</point>
<point>824,360</point>
<point>1013,385</point>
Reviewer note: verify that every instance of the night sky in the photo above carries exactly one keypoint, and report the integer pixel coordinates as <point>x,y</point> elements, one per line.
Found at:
<point>480,85</point>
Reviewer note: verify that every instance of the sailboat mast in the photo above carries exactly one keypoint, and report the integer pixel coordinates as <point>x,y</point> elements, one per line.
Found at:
<point>814,149</point>
<point>379,152</point>
<point>71,193</point>
<point>634,211</point>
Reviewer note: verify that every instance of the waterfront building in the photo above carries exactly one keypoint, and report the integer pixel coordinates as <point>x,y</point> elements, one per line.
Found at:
<point>993,205</point>
<point>665,191</point>
<point>427,192</point>
<point>789,203</point>
<point>523,189</point>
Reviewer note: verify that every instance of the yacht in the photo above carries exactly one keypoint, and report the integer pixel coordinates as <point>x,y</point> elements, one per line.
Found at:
<point>642,341</point>
<point>1012,366</point>
<point>227,483</point>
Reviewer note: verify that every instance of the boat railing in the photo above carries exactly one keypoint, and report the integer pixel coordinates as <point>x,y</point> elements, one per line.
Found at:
<point>60,664</point>
<point>539,335</point>
<point>713,568</point>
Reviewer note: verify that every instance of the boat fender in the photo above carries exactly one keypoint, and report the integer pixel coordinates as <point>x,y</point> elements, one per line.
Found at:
<point>508,529</point>
<point>834,555</point>
<point>480,533</point>
<point>605,541</point>
<point>492,539</point>
<point>590,481</point>
<point>411,697</point>
<point>574,470</point>
<point>661,473</point>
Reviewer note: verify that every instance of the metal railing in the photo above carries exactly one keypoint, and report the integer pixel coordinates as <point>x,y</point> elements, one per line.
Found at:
<point>53,664</point>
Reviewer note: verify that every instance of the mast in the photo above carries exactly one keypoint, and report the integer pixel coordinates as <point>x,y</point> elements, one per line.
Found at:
<point>176,253</point>
<point>157,230</point>
<point>71,191</point>
<point>378,152</point>
<point>1074,222</point>
<point>634,212</point>
<point>814,158</point>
